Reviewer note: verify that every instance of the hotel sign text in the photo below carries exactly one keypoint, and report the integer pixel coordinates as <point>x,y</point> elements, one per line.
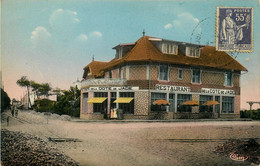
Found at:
<point>217,91</point>
<point>108,88</point>
<point>172,88</point>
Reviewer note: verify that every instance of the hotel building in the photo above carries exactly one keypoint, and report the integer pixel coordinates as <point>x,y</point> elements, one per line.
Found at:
<point>153,68</point>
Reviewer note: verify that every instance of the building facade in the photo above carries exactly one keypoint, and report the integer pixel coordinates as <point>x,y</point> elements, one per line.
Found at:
<point>154,68</point>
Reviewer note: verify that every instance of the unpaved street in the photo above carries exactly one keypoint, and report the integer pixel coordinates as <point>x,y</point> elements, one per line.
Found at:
<point>127,144</point>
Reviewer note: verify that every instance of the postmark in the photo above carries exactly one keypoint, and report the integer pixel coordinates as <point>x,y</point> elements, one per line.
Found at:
<point>234,29</point>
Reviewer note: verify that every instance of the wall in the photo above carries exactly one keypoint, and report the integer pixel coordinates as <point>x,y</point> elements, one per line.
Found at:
<point>212,78</point>
<point>115,73</point>
<point>236,80</point>
<point>137,72</point>
<point>141,103</point>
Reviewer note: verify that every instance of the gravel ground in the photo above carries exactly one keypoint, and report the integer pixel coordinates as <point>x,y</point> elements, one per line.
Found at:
<point>24,149</point>
<point>130,144</point>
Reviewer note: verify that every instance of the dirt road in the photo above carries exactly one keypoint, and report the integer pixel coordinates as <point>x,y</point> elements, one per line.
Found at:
<point>128,144</point>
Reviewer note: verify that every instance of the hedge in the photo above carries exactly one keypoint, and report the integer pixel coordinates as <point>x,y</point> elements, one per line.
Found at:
<point>253,114</point>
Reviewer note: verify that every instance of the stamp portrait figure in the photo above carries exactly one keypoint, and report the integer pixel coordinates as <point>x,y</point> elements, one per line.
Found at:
<point>230,32</point>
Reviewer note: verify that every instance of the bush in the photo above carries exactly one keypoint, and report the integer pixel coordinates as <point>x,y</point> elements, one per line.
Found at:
<point>5,100</point>
<point>253,114</point>
<point>44,105</point>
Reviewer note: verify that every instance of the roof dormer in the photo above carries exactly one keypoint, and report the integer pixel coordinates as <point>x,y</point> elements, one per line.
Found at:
<point>165,46</point>
<point>192,51</point>
<point>169,48</point>
<point>122,49</point>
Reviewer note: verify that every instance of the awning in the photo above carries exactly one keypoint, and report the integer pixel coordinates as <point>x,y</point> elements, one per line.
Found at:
<point>209,103</point>
<point>191,103</point>
<point>97,100</point>
<point>161,102</point>
<point>124,100</point>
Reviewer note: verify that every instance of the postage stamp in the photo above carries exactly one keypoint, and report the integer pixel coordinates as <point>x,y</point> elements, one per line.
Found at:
<point>234,29</point>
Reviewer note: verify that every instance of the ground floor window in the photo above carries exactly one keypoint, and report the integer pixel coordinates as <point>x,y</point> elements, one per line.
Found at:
<point>217,107</point>
<point>172,102</point>
<point>100,107</point>
<point>128,108</point>
<point>227,104</point>
<point>180,99</point>
<point>85,102</point>
<point>157,96</point>
<point>203,99</point>
<point>113,97</point>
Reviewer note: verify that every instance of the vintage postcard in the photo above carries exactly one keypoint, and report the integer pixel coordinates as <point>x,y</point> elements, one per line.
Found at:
<point>130,82</point>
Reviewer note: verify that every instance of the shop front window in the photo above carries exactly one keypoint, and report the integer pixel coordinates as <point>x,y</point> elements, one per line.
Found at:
<point>112,99</point>
<point>172,102</point>
<point>180,99</point>
<point>217,107</point>
<point>203,99</point>
<point>128,108</point>
<point>157,96</point>
<point>100,107</point>
<point>227,104</point>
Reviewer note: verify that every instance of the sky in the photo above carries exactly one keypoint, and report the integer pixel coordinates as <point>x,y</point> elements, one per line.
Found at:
<point>53,40</point>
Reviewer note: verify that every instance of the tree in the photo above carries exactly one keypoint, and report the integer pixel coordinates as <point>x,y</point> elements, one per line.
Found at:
<point>35,88</point>
<point>44,89</point>
<point>24,82</point>
<point>5,100</point>
<point>69,102</point>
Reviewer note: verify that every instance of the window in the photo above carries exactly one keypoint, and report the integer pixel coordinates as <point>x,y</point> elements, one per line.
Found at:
<point>172,102</point>
<point>193,51</point>
<point>203,99</point>
<point>163,72</point>
<point>228,79</point>
<point>157,96</point>
<point>217,107</point>
<point>170,48</point>
<point>112,99</point>
<point>196,76</point>
<point>121,72</point>
<point>180,99</point>
<point>110,74</point>
<point>227,104</point>
<point>128,108</point>
<point>119,52</point>
<point>180,73</point>
<point>100,107</point>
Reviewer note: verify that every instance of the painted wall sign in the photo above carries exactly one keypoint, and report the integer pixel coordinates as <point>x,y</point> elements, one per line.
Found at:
<point>172,88</point>
<point>217,91</point>
<point>107,88</point>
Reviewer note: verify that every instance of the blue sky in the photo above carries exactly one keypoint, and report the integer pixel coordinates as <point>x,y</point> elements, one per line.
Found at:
<point>51,41</point>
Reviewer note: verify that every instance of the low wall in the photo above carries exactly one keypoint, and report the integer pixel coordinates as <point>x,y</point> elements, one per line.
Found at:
<point>131,116</point>
<point>200,115</point>
<point>92,116</point>
<point>160,115</point>
<point>229,116</point>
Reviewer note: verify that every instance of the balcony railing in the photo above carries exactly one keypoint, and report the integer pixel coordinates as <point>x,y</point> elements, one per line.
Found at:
<point>103,81</point>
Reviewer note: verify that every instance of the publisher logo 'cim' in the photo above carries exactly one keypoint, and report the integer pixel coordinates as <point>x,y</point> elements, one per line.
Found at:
<point>237,157</point>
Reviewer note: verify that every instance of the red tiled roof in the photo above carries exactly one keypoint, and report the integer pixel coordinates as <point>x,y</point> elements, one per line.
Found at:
<point>145,51</point>
<point>95,68</point>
